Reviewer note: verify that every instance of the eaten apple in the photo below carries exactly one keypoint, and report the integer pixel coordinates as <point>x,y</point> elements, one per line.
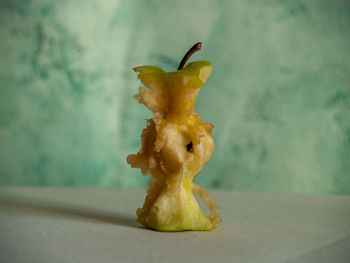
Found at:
<point>175,147</point>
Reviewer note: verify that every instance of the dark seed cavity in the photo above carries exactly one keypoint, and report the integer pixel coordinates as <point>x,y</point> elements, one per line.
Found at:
<point>189,147</point>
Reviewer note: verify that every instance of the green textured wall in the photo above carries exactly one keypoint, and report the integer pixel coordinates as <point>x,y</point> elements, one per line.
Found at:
<point>279,96</point>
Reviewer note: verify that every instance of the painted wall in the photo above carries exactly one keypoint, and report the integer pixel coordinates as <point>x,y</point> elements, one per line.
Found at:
<point>279,96</point>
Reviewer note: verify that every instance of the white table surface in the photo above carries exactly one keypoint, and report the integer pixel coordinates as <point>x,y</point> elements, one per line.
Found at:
<point>98,225</point>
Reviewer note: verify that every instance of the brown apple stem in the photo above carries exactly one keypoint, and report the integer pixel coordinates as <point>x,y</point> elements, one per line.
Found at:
<point>189,53</point>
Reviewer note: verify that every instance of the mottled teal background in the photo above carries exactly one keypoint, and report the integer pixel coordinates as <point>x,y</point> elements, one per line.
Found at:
<point>279,96</point>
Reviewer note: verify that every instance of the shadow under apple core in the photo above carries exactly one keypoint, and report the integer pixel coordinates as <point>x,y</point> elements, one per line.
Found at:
<point>58,209</point>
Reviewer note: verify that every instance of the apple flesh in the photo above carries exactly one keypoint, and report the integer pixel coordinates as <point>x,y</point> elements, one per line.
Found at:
<point>175,147</point>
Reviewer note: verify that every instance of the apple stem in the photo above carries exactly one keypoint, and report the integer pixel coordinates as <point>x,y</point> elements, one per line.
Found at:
<point>189,53</point>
